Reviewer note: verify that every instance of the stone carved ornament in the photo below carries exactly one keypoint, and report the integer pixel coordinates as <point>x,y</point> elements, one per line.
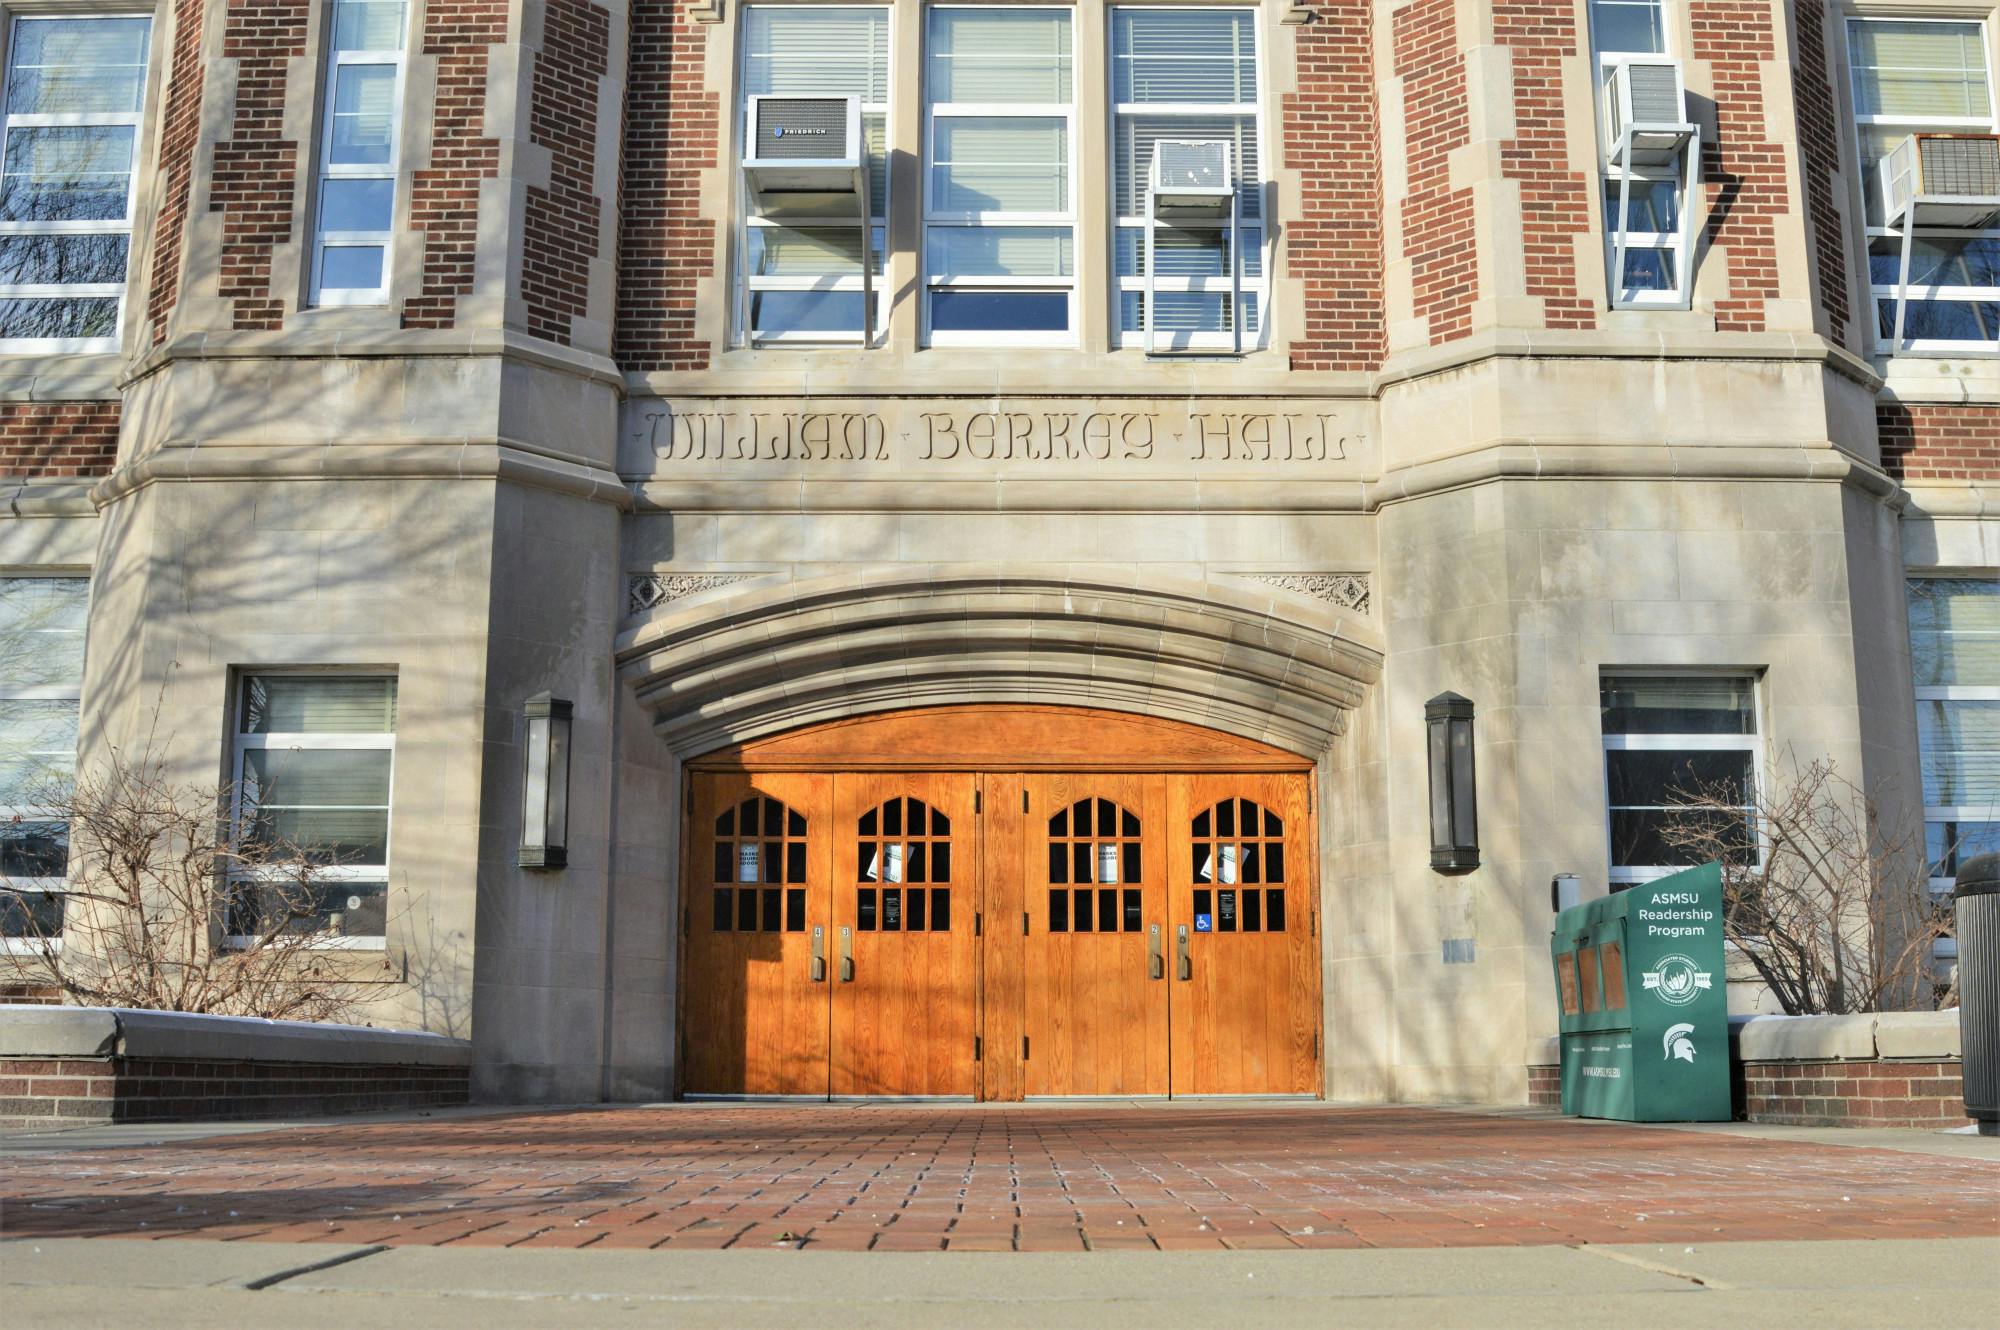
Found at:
<point>1350,591</point>
<point>647,591</point>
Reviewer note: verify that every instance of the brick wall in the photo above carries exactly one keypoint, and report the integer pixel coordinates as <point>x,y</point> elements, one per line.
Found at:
<point>1743,172</point>
<point>1555,201</point>
<point>1852,1094</point>
<point>672,128</point>
<point>180,126</point>
<point>1819,152</point>
<point>1545,1087</point>
<point>1332,137</point>
<point>1939,441</point>
<point>1437,220</point>
<point>58,440</point>
<point>257,167</point>
<point>563,220</point>
<point>444,196</point>
<point>74,1092</point>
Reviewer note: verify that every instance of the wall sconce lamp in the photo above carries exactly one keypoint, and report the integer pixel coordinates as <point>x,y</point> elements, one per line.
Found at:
<point>545,784</point>
<point>1454,795</point>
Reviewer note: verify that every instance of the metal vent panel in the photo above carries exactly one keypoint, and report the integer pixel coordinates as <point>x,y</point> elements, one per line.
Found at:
<point>801,129</point>
<point>1181,165</point>
<point>1656,94</point>
<point>1960,164</point>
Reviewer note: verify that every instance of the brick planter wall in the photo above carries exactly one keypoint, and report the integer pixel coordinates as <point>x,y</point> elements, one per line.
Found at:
<point>75,1092</point>
<point>1545,1087</point>
<point>1851,1094</point>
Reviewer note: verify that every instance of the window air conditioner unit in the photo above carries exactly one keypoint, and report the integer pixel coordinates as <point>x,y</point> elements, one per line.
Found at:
<point>805,153</point>
<point>1645,112</point>
<point>1942,180</point>
<point>1190,177</point>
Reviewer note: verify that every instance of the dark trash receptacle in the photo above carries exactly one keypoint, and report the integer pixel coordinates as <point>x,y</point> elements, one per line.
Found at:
<point>1976,906</point>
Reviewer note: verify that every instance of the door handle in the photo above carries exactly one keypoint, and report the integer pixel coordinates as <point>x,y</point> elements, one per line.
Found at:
<point>1156,964</point>
<point>1181,947</point>
<point>819,954</point>
<point>846,954</point>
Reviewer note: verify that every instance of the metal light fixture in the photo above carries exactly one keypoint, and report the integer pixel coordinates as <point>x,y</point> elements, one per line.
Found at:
<point>1454,794</point>
<point>545,784</point>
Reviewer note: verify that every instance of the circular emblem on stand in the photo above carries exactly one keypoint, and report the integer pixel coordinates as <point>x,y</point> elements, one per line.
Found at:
<point>1677,980</point>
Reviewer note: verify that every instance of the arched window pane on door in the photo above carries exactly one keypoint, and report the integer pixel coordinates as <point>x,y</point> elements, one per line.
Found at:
<point>1239,868</point>
<point>760,868</point>
<point>1094,869</point>
<point>903,869</point>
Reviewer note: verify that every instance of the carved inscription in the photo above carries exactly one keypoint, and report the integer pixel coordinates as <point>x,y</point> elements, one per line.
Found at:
<point>961,438</point>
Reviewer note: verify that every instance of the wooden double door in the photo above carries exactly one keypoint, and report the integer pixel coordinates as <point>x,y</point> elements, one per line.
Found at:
<point>999,934</point>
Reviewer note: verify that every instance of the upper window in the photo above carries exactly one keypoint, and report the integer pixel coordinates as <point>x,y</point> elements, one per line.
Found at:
<point>1239,868</point>
<point>760,845</point>
<point>1669,739</point>
<point>804,277</point>
<point>41,679</point>
<point>903,869</point>
<point>360,123</point>
<point>314,754</point>
<point>75,90</point>
<point>1654,270</point>
<point>999,194</point>
<point>1914,76</point>
<point>1093,847</point>
<point>1955,651</point>
<point>1186,74</point>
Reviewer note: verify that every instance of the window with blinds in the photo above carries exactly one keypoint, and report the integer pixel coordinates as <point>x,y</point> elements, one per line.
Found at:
<point>803,282</point>
<point>1185,74</point>
<point>1669,739</point>
<point>75,90</point>
<point>1913,76</point>
<point>41,680</point>
<point>360,125</point>
<point>1955,652</point>
<point>1655,269</point>
<point>999,193</point>
<point>314,757</point>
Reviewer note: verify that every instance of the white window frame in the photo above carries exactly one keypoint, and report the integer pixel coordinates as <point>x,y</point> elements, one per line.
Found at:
<point>136,121</point>
<point>1877,292</point>
<point>933,217</point>
<point>876,250</point>
<point>1257,284</point>
<point>40,693</point>
<point>1621,296</point>
<point>1621,876</point>
<point>323,240</point>
<point>1952,813</point>
<point>384,740</point>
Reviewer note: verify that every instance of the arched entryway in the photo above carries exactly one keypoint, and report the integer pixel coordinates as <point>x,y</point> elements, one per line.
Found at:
<point>1000,901</point>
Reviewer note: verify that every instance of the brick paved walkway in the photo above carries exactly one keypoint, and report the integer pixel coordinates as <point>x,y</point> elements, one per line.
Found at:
<point>902,1178</point>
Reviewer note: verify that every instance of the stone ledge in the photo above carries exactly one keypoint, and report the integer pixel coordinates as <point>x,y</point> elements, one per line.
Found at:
<point>35,1031</point>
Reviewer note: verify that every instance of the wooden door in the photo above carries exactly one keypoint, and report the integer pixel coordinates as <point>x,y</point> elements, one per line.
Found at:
<point>1243,951</point>
<point>905,881</point>
<point>754,1006</point>
<point>1096,934</point>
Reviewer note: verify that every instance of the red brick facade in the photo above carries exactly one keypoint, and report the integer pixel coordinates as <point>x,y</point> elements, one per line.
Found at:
<point>180,127</point>
<point>672,129</point>
<point>1926,441</point>
<point>256,168</point>
<point>75,1092</point>
<point>1813,93</point>
<point>444,196</point>
<point>1332,138</point>
<point>58,440</point>
<point>1555,201</point>
<point>1744,172</point>
<point>1868,1093</point>
<point>1437,219</point>
<point>563,220</point>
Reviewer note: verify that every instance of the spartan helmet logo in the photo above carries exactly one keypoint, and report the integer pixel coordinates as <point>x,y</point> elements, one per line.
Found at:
<point>1679,1042</point>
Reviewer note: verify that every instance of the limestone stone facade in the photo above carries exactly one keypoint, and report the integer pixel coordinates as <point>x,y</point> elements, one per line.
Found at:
<point>549,460</point>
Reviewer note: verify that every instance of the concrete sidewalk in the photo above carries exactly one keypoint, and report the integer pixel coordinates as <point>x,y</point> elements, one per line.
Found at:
<point>202,1284</point>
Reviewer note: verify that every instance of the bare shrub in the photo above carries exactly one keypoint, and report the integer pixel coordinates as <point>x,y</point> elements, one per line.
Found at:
<point>169,906</point>
<point>1831,906</point>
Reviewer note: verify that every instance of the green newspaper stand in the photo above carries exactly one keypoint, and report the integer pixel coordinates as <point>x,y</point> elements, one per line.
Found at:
<point>1645,1019</point>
